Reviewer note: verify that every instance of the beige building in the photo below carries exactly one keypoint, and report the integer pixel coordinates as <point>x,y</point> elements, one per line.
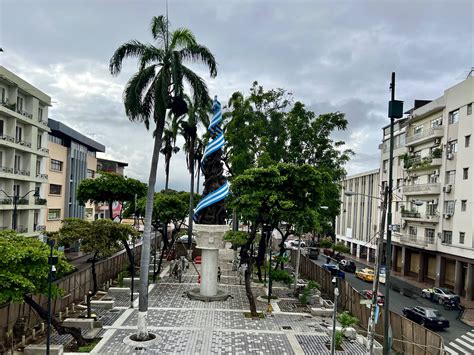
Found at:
<point>23,154</point>
<point>357,225</point>
<point>72,159</point>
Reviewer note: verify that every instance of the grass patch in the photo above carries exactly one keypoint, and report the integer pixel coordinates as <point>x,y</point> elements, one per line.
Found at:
<point>259,315</point>
<point>272,297</point>
<point>88,348</point>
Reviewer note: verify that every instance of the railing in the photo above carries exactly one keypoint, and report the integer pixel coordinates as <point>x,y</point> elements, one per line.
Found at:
<point>413,239</point>
<point>40,201</point>
<point>21,229</point>
<point>22,172</point>
<point>422,189</point>
<point>24,113</point>
<point>8,105</point>
<point>411,214</point>
<point>40,228</point>
<point>423,134</point>
<point>45,123</point>
<point>43,149</point>
<point>6,201</point>
<point>6,169</point>
<point>42,176</point>
<point>7,138</point>
<point>22,142</point>
<point>23,201</point>
<point>4,228</point>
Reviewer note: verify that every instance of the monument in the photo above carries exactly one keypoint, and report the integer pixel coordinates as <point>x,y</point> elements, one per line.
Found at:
<point>209,214</point>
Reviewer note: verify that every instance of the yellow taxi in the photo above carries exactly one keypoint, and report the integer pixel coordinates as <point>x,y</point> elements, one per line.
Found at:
<point>365,274</point>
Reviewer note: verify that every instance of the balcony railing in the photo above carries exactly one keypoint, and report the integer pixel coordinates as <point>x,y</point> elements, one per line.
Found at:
<point>43,122</point>
<point>426,133</point>
<point>413,239</point>
<point>22,142</point>
<point>43,149</point>
<point>24,113</point>
<point>8,105</point>
<point>40,228</point>
<point>21,229</point>
<point>4,228</point>
<point>6,201</point>
<point>22,172</point>
<point>23,201</point>
<point>40,201</point>
<point>42,176</point>
<point>6,169</point>
<point>4,137</point>
<point>422,189</point>
<point>411,214</point>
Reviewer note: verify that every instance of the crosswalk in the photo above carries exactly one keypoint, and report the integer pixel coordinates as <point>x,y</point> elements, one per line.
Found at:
<point>463,345</point>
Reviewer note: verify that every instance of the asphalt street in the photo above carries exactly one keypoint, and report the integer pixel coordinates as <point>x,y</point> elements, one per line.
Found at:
<point>398,301</point>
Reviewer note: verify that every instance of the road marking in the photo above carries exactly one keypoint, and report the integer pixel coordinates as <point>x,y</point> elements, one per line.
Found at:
<point>452,352</point>
<point>458,347</point>
<point>465,337</point>
<point>463,343</point>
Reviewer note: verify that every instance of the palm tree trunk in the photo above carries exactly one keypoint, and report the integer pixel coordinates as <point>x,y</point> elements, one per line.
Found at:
<point>95,286</point>
<point>191,192</point>
<point>167,171</point>
<point>142,333</point>
<point>198,176</point>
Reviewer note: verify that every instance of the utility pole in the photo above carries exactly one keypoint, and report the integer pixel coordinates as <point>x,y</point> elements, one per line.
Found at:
<point>376,283</point>
<point>395,110</point>
<point>298,261</point>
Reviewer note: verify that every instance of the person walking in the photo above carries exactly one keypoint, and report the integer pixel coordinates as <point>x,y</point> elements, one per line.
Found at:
<point>218,274</point>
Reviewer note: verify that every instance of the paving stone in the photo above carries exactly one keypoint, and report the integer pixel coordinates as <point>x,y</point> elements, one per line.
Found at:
<point>313,344</point>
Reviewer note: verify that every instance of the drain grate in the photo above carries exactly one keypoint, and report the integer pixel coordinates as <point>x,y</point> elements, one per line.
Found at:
<point>286,327</point>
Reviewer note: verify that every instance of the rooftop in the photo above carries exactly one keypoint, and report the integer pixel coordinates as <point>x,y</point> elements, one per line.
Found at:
<point>62,130</point>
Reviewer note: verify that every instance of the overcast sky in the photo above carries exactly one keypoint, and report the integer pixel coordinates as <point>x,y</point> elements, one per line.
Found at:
<point>333,55</point>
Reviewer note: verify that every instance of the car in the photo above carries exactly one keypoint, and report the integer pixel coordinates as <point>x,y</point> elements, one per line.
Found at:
<point>382,276</point>
<point>347,265</point>
<point>440,294</point>
<point>313,253</point>
<point>427,317</point>
<point>367,294</point>
<point>334,270</point>
<point>184,239</point>
<point>365,274</point>
<point>294,244</point>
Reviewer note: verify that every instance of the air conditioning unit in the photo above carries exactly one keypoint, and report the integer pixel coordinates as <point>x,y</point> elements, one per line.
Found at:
<point>447,215</point>
<point>437,141</point>
<point>436,172</point>
<point>411,149</point>
<point>447,188</point>
<point>404,225</point>
<point>450,156</point>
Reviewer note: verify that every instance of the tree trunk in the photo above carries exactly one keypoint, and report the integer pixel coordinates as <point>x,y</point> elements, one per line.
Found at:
<point>110,210</point>
<point>235,220</point>
<point>282,249</point>
<point>75,332</point>
<point>95,287</point>
<point>167,170</point>
<point>191,192</point>
<point>261,256</point>
<point>247,258</point>
<point>142,331</point>
<point>129,254</point>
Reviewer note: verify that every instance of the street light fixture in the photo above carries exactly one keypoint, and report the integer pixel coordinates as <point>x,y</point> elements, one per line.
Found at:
<point>16,198</point>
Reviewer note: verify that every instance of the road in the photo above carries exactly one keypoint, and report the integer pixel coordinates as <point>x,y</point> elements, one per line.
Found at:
<point>457,328</point>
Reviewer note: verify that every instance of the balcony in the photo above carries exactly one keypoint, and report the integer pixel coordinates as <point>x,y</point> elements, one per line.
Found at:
<point>40,201</point>
<point>43,122</point>
<point>419,163</point>
<point>424,135</point>
<point>413,239</point>
<point>22,142</point>
<point>22,172</point>
<point>7,138</point>
<point>21,229</point>
<point>23,201</point>
<point>42,176</point>
<point>418,217</point>
<point>6,169</point>
<point>422,189</point>
<point>43,150</point>
<point>6,201</point>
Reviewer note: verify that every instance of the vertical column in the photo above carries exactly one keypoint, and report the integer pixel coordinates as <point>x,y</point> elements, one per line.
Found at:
<point>394,257</point>
<point>439,271</point>
<point>209,272</point>
<point>368,253</point>
<point>458,279</point>
<point>469,282</point>
<point>357,250</point>
<point>421,267</point>
<point>404,261</point>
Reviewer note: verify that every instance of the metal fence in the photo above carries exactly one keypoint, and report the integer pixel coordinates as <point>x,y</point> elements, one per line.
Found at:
<point>408,337</point>
<point>75,286</point>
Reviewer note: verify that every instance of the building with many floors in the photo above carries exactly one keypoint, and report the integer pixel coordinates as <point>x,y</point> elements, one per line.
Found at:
<point>23,154</point>
<point>72,158</point>
<point>433,193</point>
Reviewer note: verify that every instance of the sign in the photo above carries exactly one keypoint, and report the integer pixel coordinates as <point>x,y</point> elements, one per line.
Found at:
<point>394,227</point>
<point>116,209</point>
<point>349,233</point>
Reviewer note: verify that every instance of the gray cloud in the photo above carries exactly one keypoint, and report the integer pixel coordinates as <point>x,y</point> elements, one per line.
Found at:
<point>332,56</point>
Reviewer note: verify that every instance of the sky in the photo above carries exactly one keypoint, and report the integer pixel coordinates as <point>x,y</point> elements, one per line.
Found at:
<point>332,55</point>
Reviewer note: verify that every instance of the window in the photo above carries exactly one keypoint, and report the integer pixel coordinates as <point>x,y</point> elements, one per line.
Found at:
<point>54,139</point>
<point>19,103</point>
<point>54,189</point>
<point>430,235</point>
<point>467,141</point>
<point>450,176</point>
<point>54,214</point>
<point>16,190</point>
<point>40,141</point>
<point>461,237</point>
<point>469,109</point>
<point>449,207</point>
<point>453,146</point>
<point>18,133</point>
<point>417,130</point>
<point>40,113</point>
<point>385,164</point>
<point>463,205</point>
<point>431,209</point>
<point>38,167</point>
<point>436,122</point>
<point>4,96</point>
<point>17,162</point>
<point>1,127</point>
<point>412,232</point>
<point>56,165</point>
<point>454,116</point>
<point>447,237</point>
<point>90,173</point>
<point>465,173</point>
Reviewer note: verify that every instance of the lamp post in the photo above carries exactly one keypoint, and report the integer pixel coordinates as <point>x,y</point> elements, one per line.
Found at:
<point>334,312</point>
<point>52,261</point>
<point>298,256</point>
<point>15,199</point>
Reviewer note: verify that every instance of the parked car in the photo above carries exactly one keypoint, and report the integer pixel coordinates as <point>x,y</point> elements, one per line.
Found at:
<point>333,269</point>
<point>313,253</point>
<point>382,276</point>
<point>365,274</point>
<point>347,265</point>
<point>440,294</point>
<point>367,294</point>
<point>294,244</point>
<point>427,317</point>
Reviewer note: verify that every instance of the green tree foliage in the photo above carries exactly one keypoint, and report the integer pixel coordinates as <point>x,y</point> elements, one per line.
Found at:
<point>24,273</point>
<point>340,248</point>
<point>237,238</point>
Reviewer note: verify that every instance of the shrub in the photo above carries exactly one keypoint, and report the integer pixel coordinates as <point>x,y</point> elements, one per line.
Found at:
<point>282,276</point>
<point>341,248</point>
<point>325,243</point>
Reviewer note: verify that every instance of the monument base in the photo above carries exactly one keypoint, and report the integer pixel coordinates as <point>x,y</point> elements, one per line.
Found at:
<point>195,294</point>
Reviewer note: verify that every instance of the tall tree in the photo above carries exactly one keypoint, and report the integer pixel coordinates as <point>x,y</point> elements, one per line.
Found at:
<point>169,145</point>
<point>108,188</point>
<point>158,85</point>
<point>24,273</point>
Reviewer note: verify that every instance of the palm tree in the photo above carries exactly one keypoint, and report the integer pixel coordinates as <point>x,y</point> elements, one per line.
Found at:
<point>169,145</point>
<point>196,114</point>
<point>156,87</point>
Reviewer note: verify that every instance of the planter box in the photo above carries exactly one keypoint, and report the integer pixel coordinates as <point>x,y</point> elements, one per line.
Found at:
<point>41,350</point>
<point>103,304</point>
<point>82,323</point>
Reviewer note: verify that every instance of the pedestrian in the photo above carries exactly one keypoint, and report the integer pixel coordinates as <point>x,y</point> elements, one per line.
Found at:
<point>218,274</point>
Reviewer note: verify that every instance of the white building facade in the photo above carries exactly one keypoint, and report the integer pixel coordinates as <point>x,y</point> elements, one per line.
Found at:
<point>23,154</point>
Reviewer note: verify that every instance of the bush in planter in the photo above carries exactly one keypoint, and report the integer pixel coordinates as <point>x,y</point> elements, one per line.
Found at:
<point>325,243</point>
<point>282,276</point>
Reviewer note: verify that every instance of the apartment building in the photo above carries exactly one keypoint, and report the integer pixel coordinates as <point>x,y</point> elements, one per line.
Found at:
<point>435,243</point>
<point>72,158</point>
<point>23,154</point>
<point>357,225</point>
<point>114,167</point>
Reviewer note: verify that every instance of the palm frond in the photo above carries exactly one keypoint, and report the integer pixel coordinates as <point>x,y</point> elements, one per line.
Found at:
<point>132,48</point>
<point>152,55</point>
<point>159,28</point>
<point>182,37</point>
<point>176,74</point>
<point>198,86</point>
<point>200,53</point>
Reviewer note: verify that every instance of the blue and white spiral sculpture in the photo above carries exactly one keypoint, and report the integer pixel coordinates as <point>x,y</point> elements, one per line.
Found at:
<point>214,145</point>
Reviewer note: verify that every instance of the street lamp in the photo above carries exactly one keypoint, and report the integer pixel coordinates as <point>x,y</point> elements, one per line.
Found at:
<point>52,261</point>
<point>334,312</point>
<point>16,198</point>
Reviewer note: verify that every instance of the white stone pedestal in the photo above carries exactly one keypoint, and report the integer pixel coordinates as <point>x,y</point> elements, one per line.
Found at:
<point>209,238</point>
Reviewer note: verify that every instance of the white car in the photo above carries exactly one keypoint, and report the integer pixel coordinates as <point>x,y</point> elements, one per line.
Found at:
<point>294,244</point>
<point>382,277</point>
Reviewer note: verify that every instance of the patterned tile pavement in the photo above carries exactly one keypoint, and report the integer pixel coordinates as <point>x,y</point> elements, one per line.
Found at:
<point>317,345</point>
